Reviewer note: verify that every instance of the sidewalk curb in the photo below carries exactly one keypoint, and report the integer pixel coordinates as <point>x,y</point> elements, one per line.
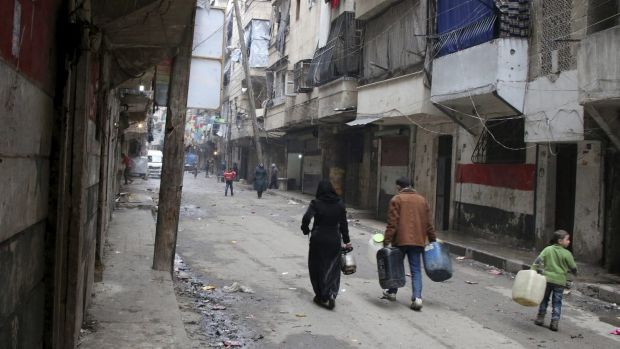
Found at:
<point>601,292</point>
<point>598,291</point>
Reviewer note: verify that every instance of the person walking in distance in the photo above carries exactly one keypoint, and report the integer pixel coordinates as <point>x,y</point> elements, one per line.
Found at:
<point>229,177</point>
<point>409,228</point>
<point>554,262</point>
<point>260,180</point>
<point>273,182</point>
<point>127,162</point>
<point>329,230</point>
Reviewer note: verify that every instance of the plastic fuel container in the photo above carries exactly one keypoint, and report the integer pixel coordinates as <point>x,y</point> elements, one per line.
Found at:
<point>437,262</point>
<point>374,245</point>
<point>529,288</point>
<point>391,267</point>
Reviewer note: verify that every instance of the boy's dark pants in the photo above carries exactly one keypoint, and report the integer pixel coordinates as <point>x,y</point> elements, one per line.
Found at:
<point>229,184</point>
<point>555,292</point>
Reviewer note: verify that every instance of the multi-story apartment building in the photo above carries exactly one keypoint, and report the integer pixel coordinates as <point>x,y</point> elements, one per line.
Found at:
<point>256,17</point>
<point>503,112</point>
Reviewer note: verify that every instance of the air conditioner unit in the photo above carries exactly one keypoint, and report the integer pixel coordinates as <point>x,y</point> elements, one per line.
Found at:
<point>300,74</point>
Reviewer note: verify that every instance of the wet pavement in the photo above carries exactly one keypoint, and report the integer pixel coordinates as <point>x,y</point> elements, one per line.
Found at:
<point>257,243</point>
<point>241,280</point>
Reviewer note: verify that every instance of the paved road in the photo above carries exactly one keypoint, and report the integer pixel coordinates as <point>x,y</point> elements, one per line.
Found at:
<point>258,243</point>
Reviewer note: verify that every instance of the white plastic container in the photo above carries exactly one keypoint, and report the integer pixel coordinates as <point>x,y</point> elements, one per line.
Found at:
<point>529,288</point>
<point>374,245</point>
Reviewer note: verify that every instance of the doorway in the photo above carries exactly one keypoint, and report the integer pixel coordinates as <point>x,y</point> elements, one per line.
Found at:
<point>293,171</point>
<point>444,183</point>
<point>566,175</point>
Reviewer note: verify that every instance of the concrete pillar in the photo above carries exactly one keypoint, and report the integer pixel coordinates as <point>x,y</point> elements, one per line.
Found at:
<point>588,229</point>
<point>545,196</point>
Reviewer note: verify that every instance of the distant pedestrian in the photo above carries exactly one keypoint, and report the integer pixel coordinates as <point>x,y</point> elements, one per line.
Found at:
<point>329,231</point>
<point>126,172</point>
<point>235,168</point>
<point>409,228</point>
<point>206,169</point>
<point>554,262</point>
<point>260,180</point>
<point>211,164</point>
<point>273,182</point>
<point>229,177</point>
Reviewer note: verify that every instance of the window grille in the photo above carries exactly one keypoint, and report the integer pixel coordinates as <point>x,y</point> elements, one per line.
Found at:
<point>556,25</point>
<point>502,142</point>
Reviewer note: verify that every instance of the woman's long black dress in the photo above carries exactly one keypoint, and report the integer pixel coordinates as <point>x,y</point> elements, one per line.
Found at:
<point>329,229</point>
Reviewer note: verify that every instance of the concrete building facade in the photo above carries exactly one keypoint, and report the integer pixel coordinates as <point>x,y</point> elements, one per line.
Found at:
<point>503,113</point>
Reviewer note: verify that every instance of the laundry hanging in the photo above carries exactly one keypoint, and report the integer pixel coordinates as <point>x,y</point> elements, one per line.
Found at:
<point>335,3</point>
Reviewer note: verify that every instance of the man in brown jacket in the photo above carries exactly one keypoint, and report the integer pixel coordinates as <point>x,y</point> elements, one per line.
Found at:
<point>409,228</point>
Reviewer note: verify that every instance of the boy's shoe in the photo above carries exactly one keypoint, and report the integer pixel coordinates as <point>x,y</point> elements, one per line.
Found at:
<point>389,296</point>
<point>553,326</point>
<point>540,320</point>
<point>416,304</point>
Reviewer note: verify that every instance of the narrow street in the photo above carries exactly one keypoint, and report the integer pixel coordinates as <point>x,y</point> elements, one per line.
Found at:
<point>258,244</point>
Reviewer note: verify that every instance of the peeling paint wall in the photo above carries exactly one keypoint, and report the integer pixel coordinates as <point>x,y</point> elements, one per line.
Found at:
<point>494,199</point>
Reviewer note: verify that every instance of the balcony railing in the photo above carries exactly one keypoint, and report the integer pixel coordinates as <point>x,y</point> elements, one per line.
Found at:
<point>341,56</point>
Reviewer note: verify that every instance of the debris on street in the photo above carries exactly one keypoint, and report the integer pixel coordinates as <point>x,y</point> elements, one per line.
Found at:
<point>495,272</point>
<point>232,343</point>
<point>207,313</point>
<point>615,332</point>
<point>236,287</point>
<point>471,282</point>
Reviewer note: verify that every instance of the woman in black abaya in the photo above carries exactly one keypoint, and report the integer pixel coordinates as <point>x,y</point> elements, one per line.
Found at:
<point>329,230</point>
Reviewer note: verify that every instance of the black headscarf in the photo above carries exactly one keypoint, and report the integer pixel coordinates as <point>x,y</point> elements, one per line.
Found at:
<point>325,192</point>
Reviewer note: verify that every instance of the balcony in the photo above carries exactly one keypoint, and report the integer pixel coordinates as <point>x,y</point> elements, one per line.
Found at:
<point>394,101</point>
<point>338,100</point>
<point>599,68</point>
<point>599,80</point>
<point>488,79</point>
<point>369,8</point>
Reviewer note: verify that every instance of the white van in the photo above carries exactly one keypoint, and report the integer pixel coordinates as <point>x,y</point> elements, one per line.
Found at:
<point>155,162</point>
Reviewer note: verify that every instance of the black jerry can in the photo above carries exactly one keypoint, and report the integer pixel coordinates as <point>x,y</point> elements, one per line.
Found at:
<point>391,267</point>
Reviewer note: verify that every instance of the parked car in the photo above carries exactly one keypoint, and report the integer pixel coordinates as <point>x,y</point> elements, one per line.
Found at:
<point>155,163</point>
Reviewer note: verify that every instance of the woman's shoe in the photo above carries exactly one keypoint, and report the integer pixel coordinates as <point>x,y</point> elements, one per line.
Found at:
<point>322,303</point>
<point>331,304</point>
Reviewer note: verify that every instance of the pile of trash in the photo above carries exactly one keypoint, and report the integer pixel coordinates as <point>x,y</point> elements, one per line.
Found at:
<point>217,326</point>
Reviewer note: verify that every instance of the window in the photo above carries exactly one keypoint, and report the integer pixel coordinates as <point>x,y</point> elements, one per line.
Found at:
<point>279,85</point>
<point>502,142</point>
<point>297,10</point>
<point>257,42</point>
<point>300,76</point>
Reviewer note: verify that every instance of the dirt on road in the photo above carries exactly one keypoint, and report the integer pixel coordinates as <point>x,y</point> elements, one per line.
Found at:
<point>257,244</point>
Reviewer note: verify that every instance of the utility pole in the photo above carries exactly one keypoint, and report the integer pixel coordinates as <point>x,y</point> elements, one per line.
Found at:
<point>248,80</point>
<point>174,153</point>
<point>229,123</point>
